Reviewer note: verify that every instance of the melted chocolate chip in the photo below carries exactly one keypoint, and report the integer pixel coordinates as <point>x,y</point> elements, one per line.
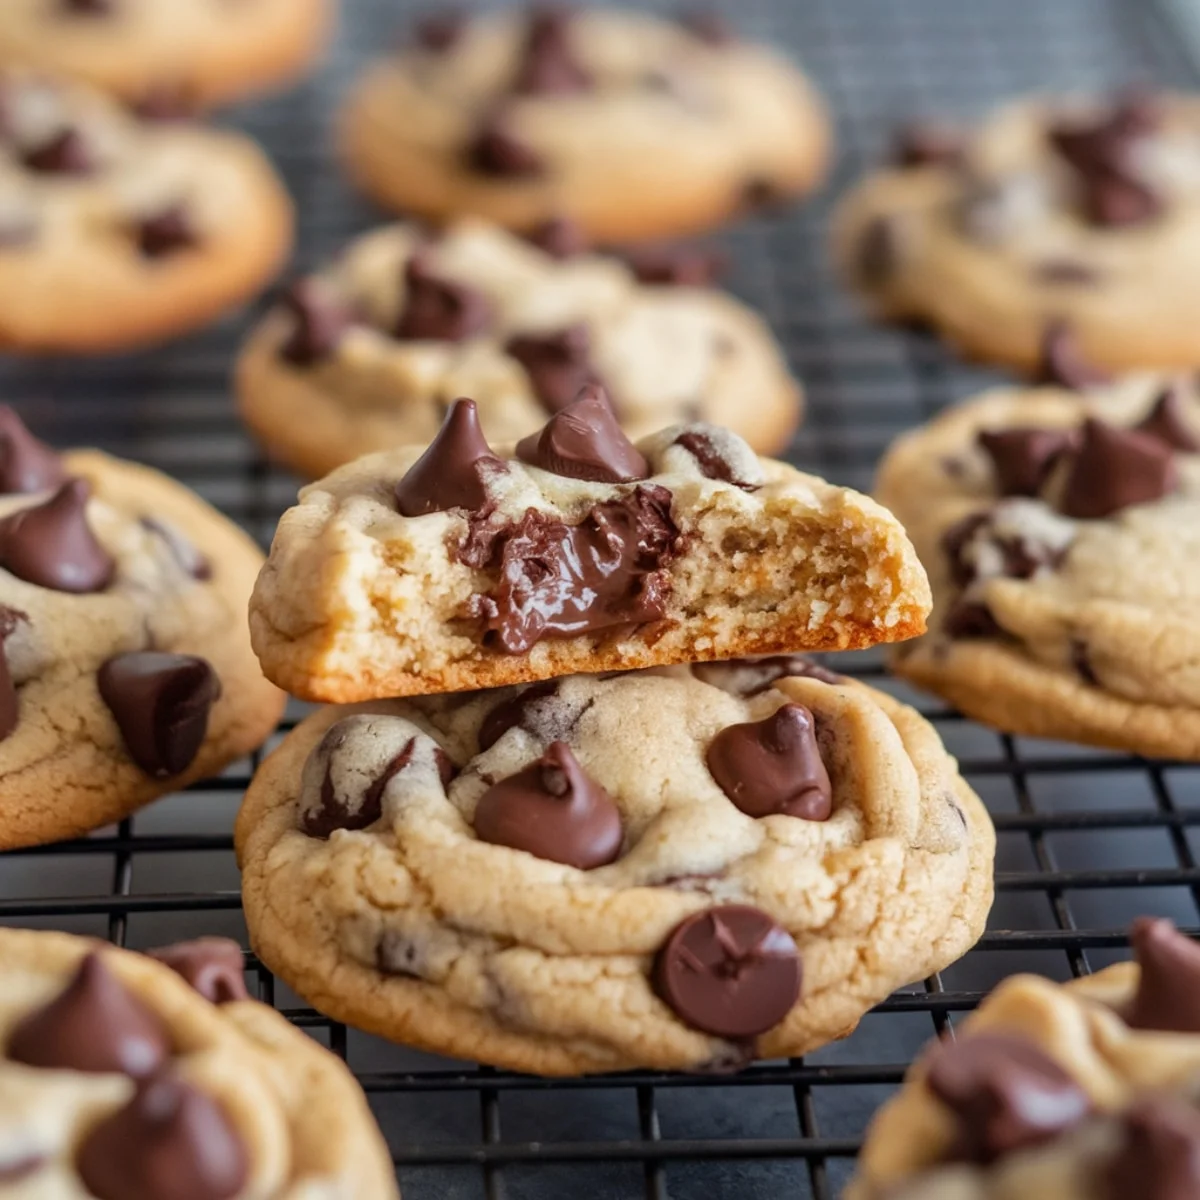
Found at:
<point>762,673</point>
<point>212,966</point>
<point>26,464</point>
<point>440,31</point>
<point>553,810</point>
<point>677,265</point>
<point>558,580</point>
<point>96,1025</point>
<point>51,544</point>
<point>1023,458</point>
<point>712,464</point>
<point>510,714</point>
<point>729,971</point>
<point>498,151</point>
<point>584,441</point>
<point>1160,1157</point>
<point>161,704</point>
<point>1115,468</point>
<point>878,252</point>
<point>453,470</point>
<point>1169,423</point>
<point>557,364</point>
<point>167,232</point>
<point>437,309</point>
<point>66,153</point>
<point>549,65</point>
<point>320,322</point>
<point>924,144</point>
<point>773,766</point>
<point>1061,363</point>
<point>170,1142</point>
<point>1005,1094</point>
<point>708,26</point>
<point>968,619</point>
<point>1168,993</point>
<point>560,237</point>
<point>189,559</point>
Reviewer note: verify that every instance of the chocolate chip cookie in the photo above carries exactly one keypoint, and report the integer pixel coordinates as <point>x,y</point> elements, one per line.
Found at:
<point>455,566</point>
<point>685,868</point>
<point>116,231</point>
<point>1085,211</point>
<point>371,351</point>
<point>126,670</point>
<point>635,126</point>
<point>190,53</point>
<point>1060,530</point>
<point>123,1077</point>
<point>1083,1091</point>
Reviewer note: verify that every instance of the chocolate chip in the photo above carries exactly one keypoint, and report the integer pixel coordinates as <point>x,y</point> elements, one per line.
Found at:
<point>773,766</point>
<point>924,144</point>
<point>549,65</point>
<point>1061,363</point>
<point>1168,992</point>
<point>160,703</point>
<point>584,441</point>
<point>440,31</point>
<point>66,153</point>
<point>51,544</point>
<point>1066,272</point>
<point>166,232</point>
<point>712,464</point>
<point>1160,1157</point>
<point>553,810</point>
<point>96,1024</point>
<point>498,151</point>
<point>708,26</point>
<point>190,560</point>
<point>968,619</point>
<point>761,196</point>
<point>680,264</point>
<point>1004,1093</point>
<point>26,464</point>
<point>729,971</point>
<point>1082,663</point>
<point>320,322</point>
<point>560,237</point>
<point>1023,458</point>
<point>1115,468</point>
<point>559,580</point>
<point>212,966</point>
<point>878,252</point>
<point>452,472</point>
<point>437,309</point>
<point>753,676</point>
<point>511,713</point>
<point>170,1142</point>
<point>1020,556</point>
<point>557,364</point>
<point>1169,423</point>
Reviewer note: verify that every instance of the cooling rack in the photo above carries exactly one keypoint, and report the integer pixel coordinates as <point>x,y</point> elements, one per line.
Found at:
<point>1087,840</point>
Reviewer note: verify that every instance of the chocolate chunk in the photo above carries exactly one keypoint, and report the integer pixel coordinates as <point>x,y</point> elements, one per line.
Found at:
<point>1160,1157</point>
<point>26,464</point>
<point>712,464</point>
<point>557,364</point>
<point>96,1024</point>
<point>1169,423</point>
<point>498,151</point>
<point>560,237</point>
<point>729,971</point>
<point>1115,468</point>
<point>1168,993</point>
<point>584,441</point>
<point>924,144</point>
<point>160,703</point>
<point>66,153</point>
<point>710,27</point>
<point>170,1142</point>
<point>549,65</point>
<point>440,31</point>
<point>190,559</point>
<point>553,810</point>
<point>680,264</point>
<point>773,766</point>
<point>453,470</point>
<point>437,309</point>
<point>212,966</point>
<point>1020,557</point>
<point>321,319</point>
<point>1023,458</point>
<point>878,252</point>
<point>166,232</point>
<point>21,1168</point>
<point>1082,663</point>
<point>559,580</point>
<point>1067,272</point>
<point>753,676</point>
<point>51,544</point>
<point>1005,1094</point>
<point>509,714</point>
<point>1061,363</point>
<point>968,619</point>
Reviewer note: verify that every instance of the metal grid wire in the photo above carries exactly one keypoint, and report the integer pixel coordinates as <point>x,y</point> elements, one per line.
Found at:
<point>1087,839</point>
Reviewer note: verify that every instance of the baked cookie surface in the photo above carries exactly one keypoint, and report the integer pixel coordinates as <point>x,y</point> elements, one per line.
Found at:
<point>634,126</point>
<point>118,1079</point>
<point>126,670</point>
<point>1060,533</point>
<point>117,231</point>
<point>684,868</point>
<point>371,351</point>
<point>1085,211</point>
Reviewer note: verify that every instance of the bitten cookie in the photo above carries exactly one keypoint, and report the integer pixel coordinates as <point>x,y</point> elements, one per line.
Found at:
<point>195,53</point>
<point>126,670</point>
<point>1061,532</point>
<point>634,126</point>
<point>117,231</point>
<point>453,567</point>
<point>1084,1091</point>
<point>371,352</point>
<point>679,869</point>
<point>1087,211</point>
<point>124,1077</point>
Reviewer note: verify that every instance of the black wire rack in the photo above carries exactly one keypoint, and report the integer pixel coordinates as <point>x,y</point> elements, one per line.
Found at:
<point>1087,839</point>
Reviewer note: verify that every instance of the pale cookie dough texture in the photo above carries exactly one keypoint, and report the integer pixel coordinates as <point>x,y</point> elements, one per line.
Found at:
<point>126,670</point>
<point>720,866</point>
<point>340,369</point>
<point>1086,211</point>
<point>118,1079</point>
<point>602,556</point>
<point>1062,554</point>
<point>194,53</point>
<point>118,231</point>
<point>635,126</point>
<point>1083,1091</point>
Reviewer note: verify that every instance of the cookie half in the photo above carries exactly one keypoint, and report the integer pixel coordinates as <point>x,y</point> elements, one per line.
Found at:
<point>428,570</point>
<point>1060,530</point>
<point>681,869</point>
<point>634,126</point>
<point>1083,210</point>
<point>126,670</point>
<point>1083,1091</point>
<point>371,352</point>
<point>116,231</point>
<point>125,1076</point>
